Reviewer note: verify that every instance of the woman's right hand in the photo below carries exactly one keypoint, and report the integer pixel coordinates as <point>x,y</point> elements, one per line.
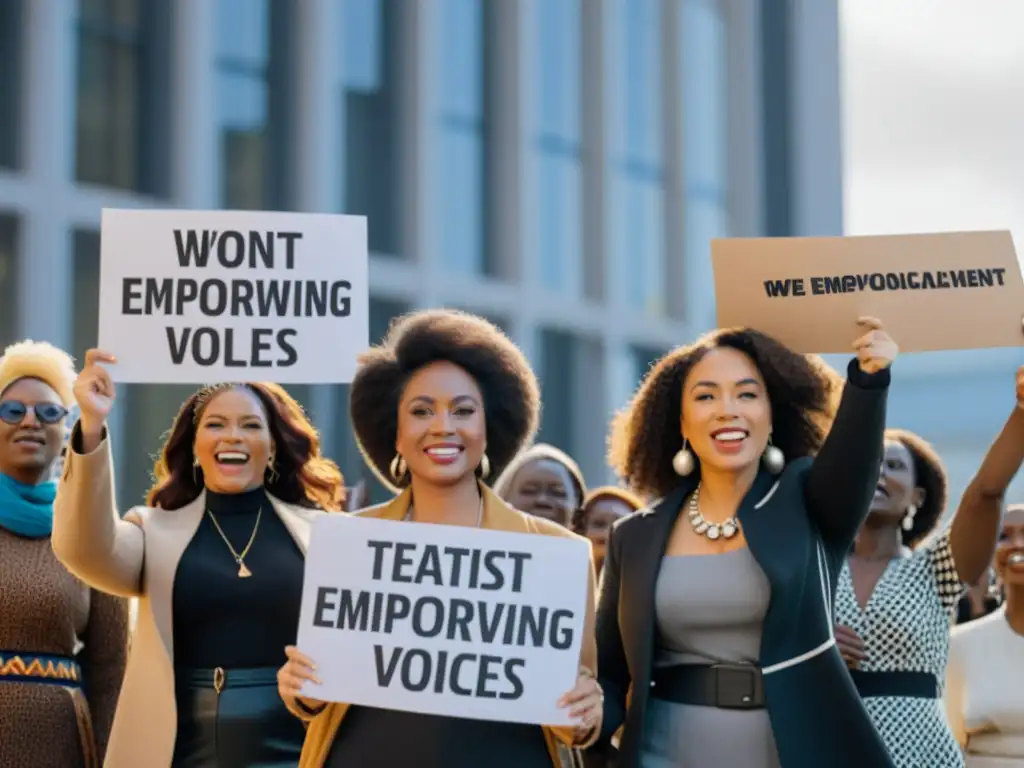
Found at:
<point>851,647</point>
<point>293,674</point>
<point>94,392</point>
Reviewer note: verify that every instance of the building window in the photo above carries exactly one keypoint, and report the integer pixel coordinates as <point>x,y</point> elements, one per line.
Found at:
<point>637,189</point>
<point>776,116</point>
<point>557,351</point>
<point>461,179</point>
<point>705,126</point>
<point>243,102</point>
<point>372,56</point>
<point>85,301</point>
<point>121,85</point>
<point>557,197</point>
<point>9,293</point>
<point>11,35</point>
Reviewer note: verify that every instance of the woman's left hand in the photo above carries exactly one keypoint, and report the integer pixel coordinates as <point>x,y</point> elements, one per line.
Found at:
<point>875,349</point>
<point>586,703</point>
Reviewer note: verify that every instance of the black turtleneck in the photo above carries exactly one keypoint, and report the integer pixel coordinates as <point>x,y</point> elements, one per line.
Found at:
<point>221,620</point>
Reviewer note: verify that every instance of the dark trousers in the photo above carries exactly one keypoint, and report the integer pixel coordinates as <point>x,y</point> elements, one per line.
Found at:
<point>234,718</point>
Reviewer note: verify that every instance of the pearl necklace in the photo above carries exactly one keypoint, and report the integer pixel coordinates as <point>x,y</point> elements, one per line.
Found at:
<point>712,531</point>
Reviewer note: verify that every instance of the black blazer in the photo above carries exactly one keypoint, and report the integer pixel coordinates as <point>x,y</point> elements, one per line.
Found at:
<point>799,527</point>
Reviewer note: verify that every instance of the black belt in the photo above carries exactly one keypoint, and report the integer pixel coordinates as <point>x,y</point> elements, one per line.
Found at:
<point>913,685</point>
<point>725,686</point>
<point>220,678</point>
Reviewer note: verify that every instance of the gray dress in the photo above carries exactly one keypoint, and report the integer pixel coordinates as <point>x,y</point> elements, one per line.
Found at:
<point>709,609</point>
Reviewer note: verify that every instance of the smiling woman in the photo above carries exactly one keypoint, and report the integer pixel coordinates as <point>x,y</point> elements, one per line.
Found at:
<point>545,482</point>
<point>219,553</point>
<point>46,611</point>
<point>442,403</point>
<point>714,627</point>
<point>899,590</point>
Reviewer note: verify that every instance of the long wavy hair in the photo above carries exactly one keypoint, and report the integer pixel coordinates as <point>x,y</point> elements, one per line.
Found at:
<point>301,475</point>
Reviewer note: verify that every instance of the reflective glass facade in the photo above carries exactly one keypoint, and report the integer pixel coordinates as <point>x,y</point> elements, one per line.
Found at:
<point>556,165</point>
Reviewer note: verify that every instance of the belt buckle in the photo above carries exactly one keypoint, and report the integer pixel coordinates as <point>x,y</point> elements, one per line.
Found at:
<point>738,686</point>
<point>218,679</point>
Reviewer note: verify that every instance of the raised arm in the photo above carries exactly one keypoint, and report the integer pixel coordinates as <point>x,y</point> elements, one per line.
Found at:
<point>844,474</point>
<point>975,529</point>
<point>612,669</point>
<point>89,536</point>
<point>104,656</point>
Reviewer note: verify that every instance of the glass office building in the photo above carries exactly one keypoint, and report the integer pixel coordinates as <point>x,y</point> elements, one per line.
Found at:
<point>556,165</point>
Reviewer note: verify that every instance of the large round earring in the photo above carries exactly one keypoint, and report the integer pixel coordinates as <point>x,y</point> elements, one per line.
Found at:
<point>271,470</point>
<point>773,458</point>
<point>485,467</point>
<point>397,468</point>
<point>683,462</point>
<point>908,519</point>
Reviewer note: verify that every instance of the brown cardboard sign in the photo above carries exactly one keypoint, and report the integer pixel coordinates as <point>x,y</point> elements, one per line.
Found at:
<point>957,290</point>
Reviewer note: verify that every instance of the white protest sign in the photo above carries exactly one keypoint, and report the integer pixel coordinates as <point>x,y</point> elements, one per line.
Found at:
<point>444,620</point>
<point>195,297</point>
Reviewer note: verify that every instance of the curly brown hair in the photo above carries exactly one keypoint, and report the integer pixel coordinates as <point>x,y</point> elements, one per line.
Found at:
<point>930,476</point>
<point>508,385</point>
<point>302,476</point>
<point>645,436</point>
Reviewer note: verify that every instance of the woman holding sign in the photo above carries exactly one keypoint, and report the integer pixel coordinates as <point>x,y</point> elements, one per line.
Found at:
<point>714,626</point>
<point>445,401</point>
<point>216,558</point>
<point>898,593</point>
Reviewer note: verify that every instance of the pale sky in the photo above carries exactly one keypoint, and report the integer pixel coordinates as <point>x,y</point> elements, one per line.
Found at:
<point>933,96</point>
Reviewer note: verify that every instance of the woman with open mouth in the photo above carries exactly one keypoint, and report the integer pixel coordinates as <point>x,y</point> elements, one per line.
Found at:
<point>714,622</point>
<point>543,481</point>
<point>899,591</point>
<point>985,680</point>
<point>49,717</point>
<point>216,557</point>
<point>442,403</point>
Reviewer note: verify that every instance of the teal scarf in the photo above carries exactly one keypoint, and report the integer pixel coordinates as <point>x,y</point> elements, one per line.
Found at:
<point>27,510</point>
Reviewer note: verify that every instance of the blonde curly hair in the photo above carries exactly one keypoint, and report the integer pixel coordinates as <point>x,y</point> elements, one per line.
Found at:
<point>39,360</point>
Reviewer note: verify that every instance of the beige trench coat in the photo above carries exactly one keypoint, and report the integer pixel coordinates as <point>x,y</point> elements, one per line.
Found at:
<point>136,557</point>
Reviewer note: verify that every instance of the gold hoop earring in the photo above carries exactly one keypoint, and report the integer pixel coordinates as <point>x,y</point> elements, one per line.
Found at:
<point>485,467</point>
<point>195,470</point>
<point>398,468</point>
<point>271,471</point>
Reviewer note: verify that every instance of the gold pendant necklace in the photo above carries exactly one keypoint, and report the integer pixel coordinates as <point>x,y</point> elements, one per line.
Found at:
<point>713,531</point>
<point>243,569</point>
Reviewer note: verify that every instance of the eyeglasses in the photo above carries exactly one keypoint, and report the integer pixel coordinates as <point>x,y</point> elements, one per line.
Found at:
<point>15,411</point>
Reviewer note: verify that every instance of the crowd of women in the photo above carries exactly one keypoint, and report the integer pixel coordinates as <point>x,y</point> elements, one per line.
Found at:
<point>777,582</point>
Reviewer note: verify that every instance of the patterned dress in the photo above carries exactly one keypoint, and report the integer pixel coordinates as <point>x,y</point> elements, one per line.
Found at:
<point>905,627</point>
<point>46,610</point>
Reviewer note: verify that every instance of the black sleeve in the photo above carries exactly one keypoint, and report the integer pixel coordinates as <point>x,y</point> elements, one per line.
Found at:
<point>612,671</point>
<point>843,476</point>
